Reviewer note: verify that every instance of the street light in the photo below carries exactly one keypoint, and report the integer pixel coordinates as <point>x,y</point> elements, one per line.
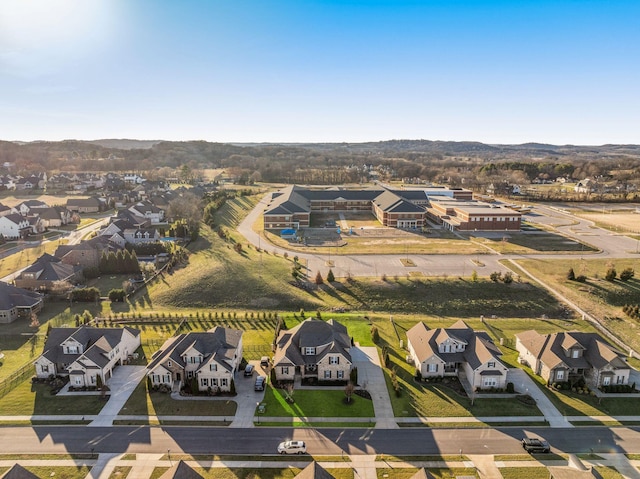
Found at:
<point>169,456</point>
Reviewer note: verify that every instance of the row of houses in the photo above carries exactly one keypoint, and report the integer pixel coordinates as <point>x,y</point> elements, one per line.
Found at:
<point>31,217</point>
<point>320,351</point>
<point>454,208</point>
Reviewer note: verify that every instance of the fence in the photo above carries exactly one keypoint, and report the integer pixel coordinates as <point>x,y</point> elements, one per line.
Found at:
<point>18,377</point>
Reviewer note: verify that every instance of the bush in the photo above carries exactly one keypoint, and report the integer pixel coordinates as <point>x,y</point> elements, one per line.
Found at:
<point>117,295</point>
<point>85,294</point>
<point>610,274</point>
<point>510,388</point>
<point>508,277</point>
<point>375,334</point>
<point>330,277</point>
<point>581,278</point>
<point>571,275</point>
<point>626,274</point>
<point>495,276</point>
<point>319,279</point>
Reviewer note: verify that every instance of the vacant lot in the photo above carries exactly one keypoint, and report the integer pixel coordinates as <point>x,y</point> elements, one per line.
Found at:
<point>615,220</point>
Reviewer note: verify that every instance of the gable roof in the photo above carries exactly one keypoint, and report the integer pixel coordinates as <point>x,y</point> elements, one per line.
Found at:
<point>50,268</point>
<point>181,470</point>
<point>18,472</point>
<point>311,333</point>
<point>549,348</point>
<point>219,344</point>
<point>12,297</point>
<point>95,342</point>
<point>314,471</point>
<point>479,348</point>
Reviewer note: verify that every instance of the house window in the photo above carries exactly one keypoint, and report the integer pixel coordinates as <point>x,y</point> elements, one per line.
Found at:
<point>432,368</point>
<point>214,382</point>
<point>489,382</point>
<point>78,380</point>
<point>606,380</point>
<point>340,374</point>
<point>574,353</point>
<point>169,364</point>
<point>491,364</point>
<point>619,379</point>
<point>93,379</point>
<point>204,382</point>
<point>224,382</point>
<point>285,369</point>
<point>72,349</point>
<point>334,360</point>
<point>189,374</point>
<point>559,375</point>
<point>44,368</point>
<point>327,374</point>
<point>309,351</point>
<point>213,367</point>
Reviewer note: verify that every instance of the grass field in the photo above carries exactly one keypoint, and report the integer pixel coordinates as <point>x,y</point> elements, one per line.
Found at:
<point>28,399</point>
<point>600,298</point>
<point>144,403</point>
<point>615,220</point>
<point>28,255</point>
<point>59,472</point>
<point>438,473</point>
<point>316,403</point>
<point>250,473</point>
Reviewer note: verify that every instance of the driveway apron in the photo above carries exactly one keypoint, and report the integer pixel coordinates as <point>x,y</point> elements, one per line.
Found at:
<point>122,383</point>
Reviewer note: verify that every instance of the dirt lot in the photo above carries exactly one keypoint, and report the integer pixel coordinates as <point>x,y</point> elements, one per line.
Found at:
<point>51,200</point>
<point>625,221</point>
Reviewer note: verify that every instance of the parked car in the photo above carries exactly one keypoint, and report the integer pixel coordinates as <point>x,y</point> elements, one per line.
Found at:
<point>248,371</point>
<point>533,445</point>
<point>259,384</point>
<point>292,447</point>
<point>264,361</point>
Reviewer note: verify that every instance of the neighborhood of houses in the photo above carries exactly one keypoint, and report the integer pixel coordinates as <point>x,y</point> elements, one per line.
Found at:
<point>319,352</point>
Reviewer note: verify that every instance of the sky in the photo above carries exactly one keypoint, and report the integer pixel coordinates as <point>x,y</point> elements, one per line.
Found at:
<point>549,71</point>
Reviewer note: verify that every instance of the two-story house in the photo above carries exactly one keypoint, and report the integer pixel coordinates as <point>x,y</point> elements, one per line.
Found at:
<point>14,226</point>
<point>315,350</point>
<point>18,302</point>
<point>85,353</point>
<point>457,351</point>
<point>211,358</point>
<point>148,210</point>
<point>571,356</point>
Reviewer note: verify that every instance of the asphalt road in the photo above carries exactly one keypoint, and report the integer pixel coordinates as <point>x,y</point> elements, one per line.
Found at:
<point>407,441</point>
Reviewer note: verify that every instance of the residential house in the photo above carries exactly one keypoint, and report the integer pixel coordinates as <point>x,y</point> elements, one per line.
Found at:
<point>315,350</point>
<point>457,351</point>
<point>86,254</point>
<point>314,471</point>
<point>14,226</point>
<point>36,224</point>
<point>85,205</point>
<point>86,353</point>
<point>141,235</point>
<point>31,206</point>
<point>6,210</point>
<point>18,472</point>
<point>209,358</point>
<point>55,216</point>
<point>45,272</point>
<point>572,356</point>
<point>180,470</point>
<point>148,210</point>
<point>17,302</point>
<point>133,179</point>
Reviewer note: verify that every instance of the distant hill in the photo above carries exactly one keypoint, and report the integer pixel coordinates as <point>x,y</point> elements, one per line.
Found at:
<point>124,144</point>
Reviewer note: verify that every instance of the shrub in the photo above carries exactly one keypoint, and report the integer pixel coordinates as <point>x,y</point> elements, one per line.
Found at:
<point>85,294</point>
<point>508,277</point>
<point>117,295</point>
<point>581,278</point>
<point>571,275</point>
<point>610,274</point>
<point>510,388</point>
<point>375,334</point>
<point>495,276</point>
<point>626,274</point>
<point>330,277</point>
<point>319,279</point>
<point>474,276</point>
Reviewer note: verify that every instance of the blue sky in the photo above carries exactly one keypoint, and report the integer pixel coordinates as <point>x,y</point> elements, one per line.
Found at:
<point>296,71</point>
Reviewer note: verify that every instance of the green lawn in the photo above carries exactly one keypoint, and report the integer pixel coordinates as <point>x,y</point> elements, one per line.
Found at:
<point>316,403</point>
<point>59,472</point>
<point>28,399</point>
<point>521,472</point>
<point>161,404</point>
<point>438,473</point>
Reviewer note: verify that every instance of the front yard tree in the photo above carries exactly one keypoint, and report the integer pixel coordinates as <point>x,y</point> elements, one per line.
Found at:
<point>330,277</point>
<point>319,279</point>
<point>349,390</point>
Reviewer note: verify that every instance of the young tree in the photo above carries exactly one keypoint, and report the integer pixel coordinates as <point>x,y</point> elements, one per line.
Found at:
<point>319,279</point>
<point>330,277</point>
<point>610,275</point>
<point>349,390</point>
<point>571,275</point>
<point>626,274</point>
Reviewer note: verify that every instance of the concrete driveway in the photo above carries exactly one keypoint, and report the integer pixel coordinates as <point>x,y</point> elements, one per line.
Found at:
<point>246,397</point>
<point>371,378</point>
<point>525,385</point>
<point>122,383</point>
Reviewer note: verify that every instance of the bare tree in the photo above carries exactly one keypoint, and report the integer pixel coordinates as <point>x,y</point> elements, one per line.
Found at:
<point>349,389</point>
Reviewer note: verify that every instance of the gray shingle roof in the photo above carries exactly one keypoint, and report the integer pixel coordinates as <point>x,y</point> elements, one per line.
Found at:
<point>311,333</point>
<point>12,297</point>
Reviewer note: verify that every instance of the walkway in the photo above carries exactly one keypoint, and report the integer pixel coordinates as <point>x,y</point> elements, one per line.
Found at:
<point>525,385</point>
<point>122,383</point>
<point>371,378</point>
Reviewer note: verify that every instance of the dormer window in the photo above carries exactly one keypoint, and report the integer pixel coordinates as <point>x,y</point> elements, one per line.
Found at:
<point>575,353</point>
<point>309,351</point>
<point>213,367</point>
<point>491,364</point>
